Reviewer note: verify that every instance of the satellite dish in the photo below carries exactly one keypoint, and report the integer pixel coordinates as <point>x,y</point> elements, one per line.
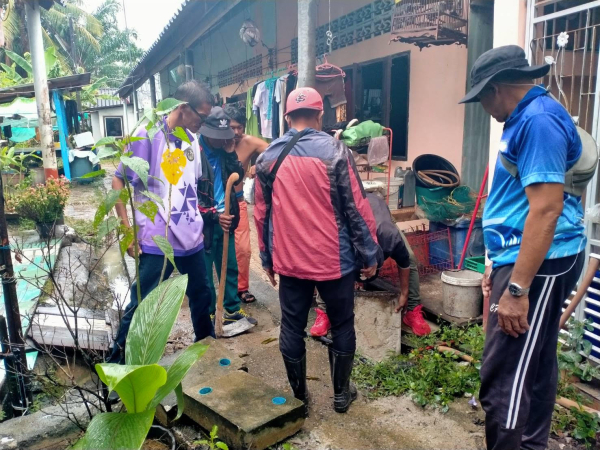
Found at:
<point>250,33</point>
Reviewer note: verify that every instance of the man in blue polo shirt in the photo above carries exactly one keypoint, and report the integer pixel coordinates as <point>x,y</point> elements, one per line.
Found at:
<point>534,235</point>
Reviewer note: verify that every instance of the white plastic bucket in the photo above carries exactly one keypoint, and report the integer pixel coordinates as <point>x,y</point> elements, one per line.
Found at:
<point>463,296</point>
<point>395,185</point>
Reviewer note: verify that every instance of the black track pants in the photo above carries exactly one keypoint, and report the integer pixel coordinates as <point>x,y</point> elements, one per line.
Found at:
<point>519,375</point>
<point>296,298</point>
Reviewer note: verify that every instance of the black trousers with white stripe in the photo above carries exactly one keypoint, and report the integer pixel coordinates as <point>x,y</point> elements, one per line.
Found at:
<point>519,375</point>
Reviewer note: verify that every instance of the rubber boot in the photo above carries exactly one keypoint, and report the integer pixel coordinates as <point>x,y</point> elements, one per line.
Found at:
<point>296,373</point>
<point>344,392</point>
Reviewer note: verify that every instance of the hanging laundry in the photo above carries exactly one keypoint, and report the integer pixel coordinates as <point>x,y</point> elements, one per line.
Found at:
<point>72,116</point>
<point>251,119</point>
<point>330,83</point>
<point>283,96</point>
<point>278,108</point>
<point>263,102</point>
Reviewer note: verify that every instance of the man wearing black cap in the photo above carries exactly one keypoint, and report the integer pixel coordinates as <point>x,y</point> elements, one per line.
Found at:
<point>219,161</point>
<point>534,236</point>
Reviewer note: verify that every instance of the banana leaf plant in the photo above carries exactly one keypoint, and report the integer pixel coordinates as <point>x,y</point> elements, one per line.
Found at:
<point>142,383</point>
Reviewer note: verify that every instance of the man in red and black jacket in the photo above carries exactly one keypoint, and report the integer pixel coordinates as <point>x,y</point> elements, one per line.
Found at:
<point>314,225</point>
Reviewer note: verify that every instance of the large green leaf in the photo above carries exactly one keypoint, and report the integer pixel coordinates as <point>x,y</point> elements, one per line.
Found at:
<point>109,140</point>
<point>106,151</point>
<point>22,62</point>
<point>97,173</point>
<point>177,372</point>
<point>167,105</point>
<point>101,212</point>
<point>152,196</point>
<point>111,199</point>
<point>50,59</point>
<point>165,246</point>
<point>180,400</point>
<point>139,166</point>
<point>149,209</point>
<point>126,240</point>
<point>136,385</point>
<point>180,133</point>
<point>153,320</point>
<point>108,226</point>
<point>112,431</point>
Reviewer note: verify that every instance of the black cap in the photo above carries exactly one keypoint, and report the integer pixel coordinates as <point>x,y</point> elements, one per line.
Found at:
<point>216,125</point>
<point>501,60</point>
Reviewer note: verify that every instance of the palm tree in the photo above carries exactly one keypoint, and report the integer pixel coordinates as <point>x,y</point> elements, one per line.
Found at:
<point>87,30</point>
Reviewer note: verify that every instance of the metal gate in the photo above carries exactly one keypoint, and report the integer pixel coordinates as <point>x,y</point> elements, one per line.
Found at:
<point>576,71</point>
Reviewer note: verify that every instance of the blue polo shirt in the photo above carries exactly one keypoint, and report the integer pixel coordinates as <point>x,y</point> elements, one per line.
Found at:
<point>541,139</point>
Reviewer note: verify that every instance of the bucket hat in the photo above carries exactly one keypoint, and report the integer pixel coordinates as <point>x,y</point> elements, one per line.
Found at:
<point>502,60</point>
<point>217,125</point>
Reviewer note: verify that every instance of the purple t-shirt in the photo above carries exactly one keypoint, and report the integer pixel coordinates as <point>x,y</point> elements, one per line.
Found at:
<point>185,228</point>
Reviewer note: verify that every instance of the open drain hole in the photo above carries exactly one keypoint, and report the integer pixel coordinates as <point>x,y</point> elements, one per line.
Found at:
<point>224,362</point>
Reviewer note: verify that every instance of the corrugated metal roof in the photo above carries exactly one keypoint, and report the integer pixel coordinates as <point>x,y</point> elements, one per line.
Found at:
<point>105,102</point>
<point>125,88</point>
<point>69,83</point>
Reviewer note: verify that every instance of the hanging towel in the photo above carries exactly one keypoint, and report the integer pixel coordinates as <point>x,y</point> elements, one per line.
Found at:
<point>251,119</point>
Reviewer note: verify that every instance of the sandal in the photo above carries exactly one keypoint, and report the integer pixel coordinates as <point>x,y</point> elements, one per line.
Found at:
<point>246,297</point>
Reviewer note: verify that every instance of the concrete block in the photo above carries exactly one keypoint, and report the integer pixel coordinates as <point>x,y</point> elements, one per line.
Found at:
<point>249,413</point>
<point>216,362</point>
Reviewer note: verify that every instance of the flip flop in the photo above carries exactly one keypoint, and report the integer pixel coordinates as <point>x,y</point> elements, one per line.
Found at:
<point>246,297</point>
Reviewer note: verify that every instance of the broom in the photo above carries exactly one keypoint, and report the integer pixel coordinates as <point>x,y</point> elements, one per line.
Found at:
<point>219,313</point>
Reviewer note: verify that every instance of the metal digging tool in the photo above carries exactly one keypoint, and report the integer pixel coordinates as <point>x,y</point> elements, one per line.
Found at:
<point>239,326</point>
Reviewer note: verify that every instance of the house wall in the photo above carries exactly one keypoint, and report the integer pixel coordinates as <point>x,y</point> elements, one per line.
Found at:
<point>437,74</point>
<point>97,117</point>
<point>510,17</point>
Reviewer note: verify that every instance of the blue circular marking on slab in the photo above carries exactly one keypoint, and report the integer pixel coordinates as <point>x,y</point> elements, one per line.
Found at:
<point>224,362</point>
<point>279,400</point>
<point>205,391</point>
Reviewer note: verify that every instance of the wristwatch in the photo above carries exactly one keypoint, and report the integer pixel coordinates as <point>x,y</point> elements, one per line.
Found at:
<point>517,291</point>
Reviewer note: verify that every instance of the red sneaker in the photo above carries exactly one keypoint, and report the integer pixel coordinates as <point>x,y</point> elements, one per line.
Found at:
<point>414,319</point>
<point>322,325</point>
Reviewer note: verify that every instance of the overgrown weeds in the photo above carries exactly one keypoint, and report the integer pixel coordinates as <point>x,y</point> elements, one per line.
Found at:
<point>435,379</point>
<point>429,377</point>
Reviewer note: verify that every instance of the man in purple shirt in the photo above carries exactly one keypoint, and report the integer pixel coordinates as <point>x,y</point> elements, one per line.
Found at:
<point>185,223</point>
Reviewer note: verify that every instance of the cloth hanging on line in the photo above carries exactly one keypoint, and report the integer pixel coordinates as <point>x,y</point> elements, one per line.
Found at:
<point>283,97</point>
<point>263,103</point>
<point>72,116</point>
<point>251,119</point>
<point>330,83</point>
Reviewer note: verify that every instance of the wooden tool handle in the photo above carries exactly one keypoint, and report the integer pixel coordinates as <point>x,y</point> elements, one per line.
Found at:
<point>219,312</point>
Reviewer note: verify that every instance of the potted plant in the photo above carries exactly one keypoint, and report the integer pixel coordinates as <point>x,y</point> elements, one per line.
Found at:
<point>44,204</point>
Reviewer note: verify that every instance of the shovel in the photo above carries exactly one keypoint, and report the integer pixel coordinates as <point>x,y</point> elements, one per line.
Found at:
<point>239,326</point>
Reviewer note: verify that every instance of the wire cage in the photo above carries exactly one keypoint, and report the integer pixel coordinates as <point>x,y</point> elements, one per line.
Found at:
<point>432,249</point>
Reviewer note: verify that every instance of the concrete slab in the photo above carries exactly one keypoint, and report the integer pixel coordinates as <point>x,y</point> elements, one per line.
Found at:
<point>246,410</point>
<point>216,362</point>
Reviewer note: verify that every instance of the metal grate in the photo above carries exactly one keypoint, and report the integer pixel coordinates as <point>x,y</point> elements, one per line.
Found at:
<point>576,69</point>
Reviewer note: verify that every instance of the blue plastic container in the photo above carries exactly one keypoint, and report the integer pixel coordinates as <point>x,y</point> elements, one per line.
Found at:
<point>439,251</point>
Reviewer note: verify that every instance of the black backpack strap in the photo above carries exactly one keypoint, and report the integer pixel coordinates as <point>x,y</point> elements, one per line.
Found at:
<point>286,150</point>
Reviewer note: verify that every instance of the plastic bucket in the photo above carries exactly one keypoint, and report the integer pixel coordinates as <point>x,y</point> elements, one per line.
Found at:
<point>396,190</point>
<point>431,162</point>
<point>462,293</point>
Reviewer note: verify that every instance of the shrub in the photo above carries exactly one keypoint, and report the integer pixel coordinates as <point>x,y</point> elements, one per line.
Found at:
<point>44,203</point>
